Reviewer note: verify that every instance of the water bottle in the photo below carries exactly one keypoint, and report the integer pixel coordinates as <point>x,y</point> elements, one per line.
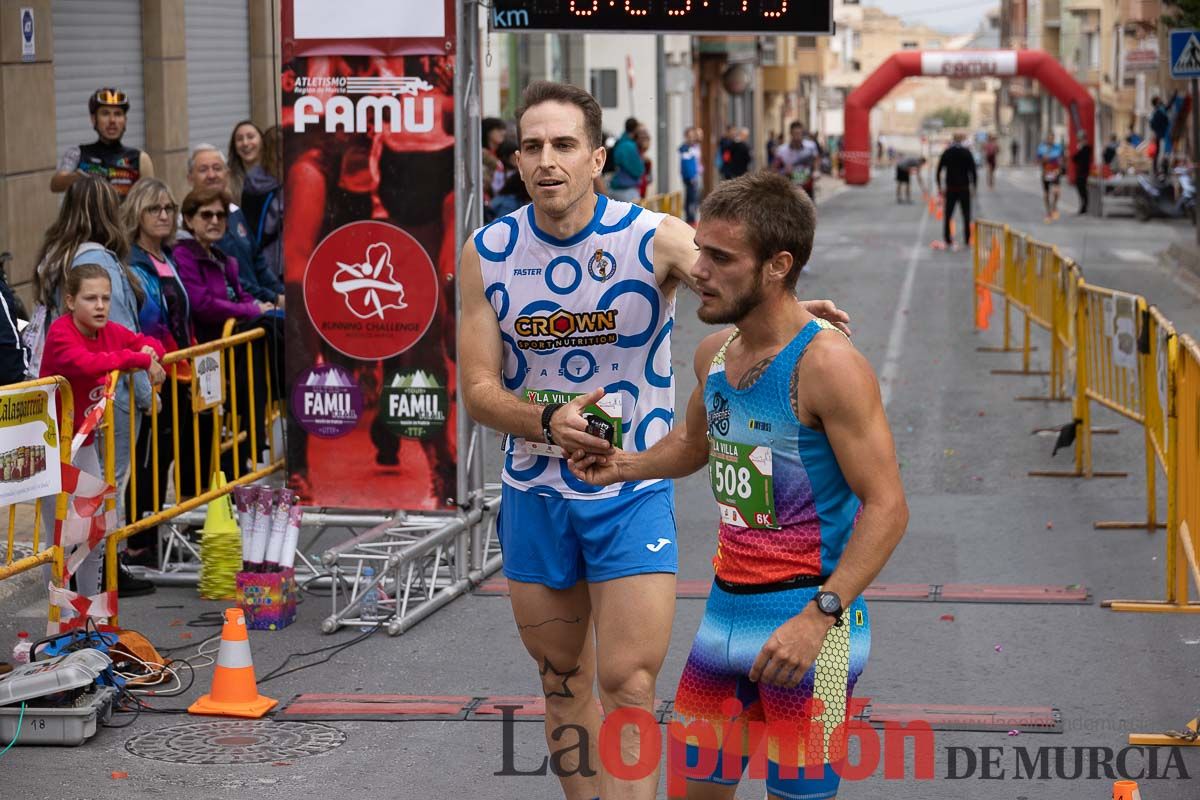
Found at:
<point>368,611</point>
<point>21,648</point>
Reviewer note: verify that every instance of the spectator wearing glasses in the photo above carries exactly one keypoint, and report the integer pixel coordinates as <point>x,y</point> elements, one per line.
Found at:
<point>216,294</point>
<point>207,170</point>
<point>150,218</point>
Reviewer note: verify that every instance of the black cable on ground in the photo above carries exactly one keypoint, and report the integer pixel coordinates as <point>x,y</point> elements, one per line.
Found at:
<point>332,650</point>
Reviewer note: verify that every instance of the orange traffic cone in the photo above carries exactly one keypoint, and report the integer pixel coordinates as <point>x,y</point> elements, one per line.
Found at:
<point>1126,790</point>
<point>234,692</point>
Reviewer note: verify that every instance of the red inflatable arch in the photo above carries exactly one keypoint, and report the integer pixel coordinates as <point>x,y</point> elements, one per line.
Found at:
<point>958,64</point>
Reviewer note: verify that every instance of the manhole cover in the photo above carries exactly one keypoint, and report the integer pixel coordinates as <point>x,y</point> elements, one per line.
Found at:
<point>235,742</point>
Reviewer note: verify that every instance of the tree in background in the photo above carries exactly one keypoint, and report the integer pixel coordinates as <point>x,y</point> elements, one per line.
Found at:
<point>953,117</point>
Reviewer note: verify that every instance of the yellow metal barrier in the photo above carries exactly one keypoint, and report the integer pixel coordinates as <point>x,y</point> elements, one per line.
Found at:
<point>667,203</point>
<point>1183,474</point>
<point>1156,364</point>
<point>43,552</point>
<point>989,243</point>
<point>1083,341</point>
<point>219,438</point>
<point>1009,281</point>
<point>1039,289</point>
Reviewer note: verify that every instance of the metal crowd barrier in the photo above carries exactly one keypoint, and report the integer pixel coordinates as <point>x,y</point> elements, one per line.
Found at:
<point>1113,350</point>
<point>231,442</point>
<point>667,203</point>
<point>41,551</point>
<point>1182,450</point>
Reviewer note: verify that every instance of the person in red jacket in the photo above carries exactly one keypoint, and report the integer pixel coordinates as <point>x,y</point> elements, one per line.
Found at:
<point>84,347</point>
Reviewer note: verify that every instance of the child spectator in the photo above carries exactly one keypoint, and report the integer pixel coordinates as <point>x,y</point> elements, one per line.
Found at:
<point>83,346</point>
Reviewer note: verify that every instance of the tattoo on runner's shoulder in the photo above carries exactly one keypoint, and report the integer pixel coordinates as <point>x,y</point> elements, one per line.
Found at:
<point>794,389</point>
<point>550,674</point>
<point>754,372</point>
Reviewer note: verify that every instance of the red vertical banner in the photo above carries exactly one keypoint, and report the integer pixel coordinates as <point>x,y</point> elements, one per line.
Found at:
<point>368,116</point>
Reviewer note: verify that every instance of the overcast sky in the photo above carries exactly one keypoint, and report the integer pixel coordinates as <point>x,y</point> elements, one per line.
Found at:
<point>952,16</point>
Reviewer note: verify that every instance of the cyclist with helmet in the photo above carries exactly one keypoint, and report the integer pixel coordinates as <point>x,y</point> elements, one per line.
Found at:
<point>107,158</point>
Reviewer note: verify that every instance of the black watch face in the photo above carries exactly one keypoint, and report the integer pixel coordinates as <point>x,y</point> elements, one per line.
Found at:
<point>829,603</point>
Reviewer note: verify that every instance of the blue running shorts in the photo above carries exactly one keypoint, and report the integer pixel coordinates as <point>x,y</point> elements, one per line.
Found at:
<point>557,542</point>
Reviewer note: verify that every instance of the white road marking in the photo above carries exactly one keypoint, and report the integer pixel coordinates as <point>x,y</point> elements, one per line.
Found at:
<point>891,361</point>
<point>1133,256</point>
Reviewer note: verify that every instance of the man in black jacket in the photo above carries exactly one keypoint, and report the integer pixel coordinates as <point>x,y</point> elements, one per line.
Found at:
<point>959,166</point>
<point>1083,166</point>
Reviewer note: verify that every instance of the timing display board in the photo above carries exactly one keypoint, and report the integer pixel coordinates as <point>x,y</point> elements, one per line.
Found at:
<point>718,17</point>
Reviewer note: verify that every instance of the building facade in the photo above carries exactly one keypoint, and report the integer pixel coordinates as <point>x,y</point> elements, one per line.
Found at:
<point>192,70</point>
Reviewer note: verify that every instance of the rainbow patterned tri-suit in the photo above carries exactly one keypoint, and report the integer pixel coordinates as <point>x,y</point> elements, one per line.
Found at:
<point>786,515</point>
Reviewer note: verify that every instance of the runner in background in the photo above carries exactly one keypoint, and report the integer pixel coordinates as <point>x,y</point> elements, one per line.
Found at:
<point>905,169</point>
<point>106,157</point>
<point>990,151</point>
<point>797,158</point>
<point>1050,157</point>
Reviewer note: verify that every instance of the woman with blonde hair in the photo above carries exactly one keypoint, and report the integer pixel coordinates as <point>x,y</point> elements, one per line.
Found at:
<point>150,217</point>
<point>88,230</point>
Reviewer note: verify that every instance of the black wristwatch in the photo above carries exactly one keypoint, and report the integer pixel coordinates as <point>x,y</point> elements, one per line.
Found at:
<point>547,413</point>
<point>830,604</point>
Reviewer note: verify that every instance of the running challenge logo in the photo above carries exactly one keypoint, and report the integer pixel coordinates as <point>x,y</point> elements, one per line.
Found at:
<point>371,290</point>
<point>564,328</point>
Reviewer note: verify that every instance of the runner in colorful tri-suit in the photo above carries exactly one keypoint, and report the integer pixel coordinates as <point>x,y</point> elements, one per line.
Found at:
<point>789,419</point>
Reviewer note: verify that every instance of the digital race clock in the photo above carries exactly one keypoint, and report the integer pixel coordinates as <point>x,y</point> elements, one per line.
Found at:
<point>718,17</point>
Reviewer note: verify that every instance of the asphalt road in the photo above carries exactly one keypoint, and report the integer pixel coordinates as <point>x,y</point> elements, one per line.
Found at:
<point>965,447</point>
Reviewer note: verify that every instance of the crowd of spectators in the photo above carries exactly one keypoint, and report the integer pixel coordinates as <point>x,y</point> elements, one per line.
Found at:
<point>127,273</point>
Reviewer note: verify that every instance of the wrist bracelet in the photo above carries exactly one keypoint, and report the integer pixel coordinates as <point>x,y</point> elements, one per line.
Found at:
<point>547,414</point>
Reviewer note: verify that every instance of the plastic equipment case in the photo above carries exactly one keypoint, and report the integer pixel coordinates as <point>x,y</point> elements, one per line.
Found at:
<point>63,703</point>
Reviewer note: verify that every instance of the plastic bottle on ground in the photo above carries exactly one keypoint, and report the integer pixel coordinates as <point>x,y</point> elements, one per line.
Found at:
<point>368,612</point>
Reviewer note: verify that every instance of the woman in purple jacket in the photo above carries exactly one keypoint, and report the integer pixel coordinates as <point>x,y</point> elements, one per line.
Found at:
<point>216,295</point>
<point>211,277</point>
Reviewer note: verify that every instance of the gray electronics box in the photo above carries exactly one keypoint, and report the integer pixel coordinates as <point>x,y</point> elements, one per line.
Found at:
<point>59,724</point>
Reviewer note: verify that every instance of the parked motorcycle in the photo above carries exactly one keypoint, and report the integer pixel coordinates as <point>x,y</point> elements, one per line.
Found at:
<point>1170,199</point>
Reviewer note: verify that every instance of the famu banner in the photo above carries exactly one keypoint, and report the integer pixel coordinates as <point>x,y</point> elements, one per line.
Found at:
<point>368,117</point>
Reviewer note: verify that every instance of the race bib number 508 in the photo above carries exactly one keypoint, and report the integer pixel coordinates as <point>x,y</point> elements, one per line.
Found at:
<point>741,482</point>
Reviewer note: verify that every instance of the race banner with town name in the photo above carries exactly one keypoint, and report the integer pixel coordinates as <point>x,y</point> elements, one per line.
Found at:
<point>368,107</point>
